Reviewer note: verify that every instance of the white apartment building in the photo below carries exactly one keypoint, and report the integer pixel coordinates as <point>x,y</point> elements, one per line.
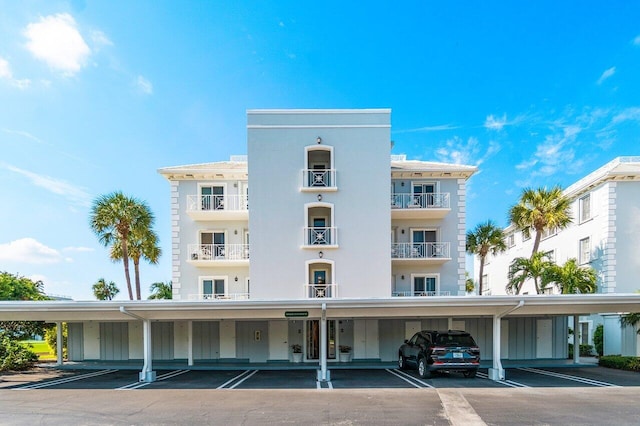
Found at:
<point>604,235</point>
<point>318,239</point>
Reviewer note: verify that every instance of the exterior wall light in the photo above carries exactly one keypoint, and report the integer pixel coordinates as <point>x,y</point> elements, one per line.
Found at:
<point>319,197</point>
<point>236,279</point>
<point>319,139</point>
<point>402,277</point>
<point>320,254</point>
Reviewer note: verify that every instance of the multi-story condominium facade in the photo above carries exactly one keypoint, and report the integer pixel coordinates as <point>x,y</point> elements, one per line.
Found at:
<point>604,235</point>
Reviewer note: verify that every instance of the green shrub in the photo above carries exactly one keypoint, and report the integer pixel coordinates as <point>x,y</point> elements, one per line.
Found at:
<point>51,337</point>
<point>598,339</point>
<point>620,362</point>
<point>585,350</point>
<point>14,356</point>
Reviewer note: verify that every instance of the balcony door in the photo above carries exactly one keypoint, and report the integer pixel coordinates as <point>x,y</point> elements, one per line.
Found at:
<point>212,245</point>
<point>213,288</point>
<point>423,194</point>
<point>212,197</point>
<point>313,339</point>
<point>421,239</point>
<point>424,286</point>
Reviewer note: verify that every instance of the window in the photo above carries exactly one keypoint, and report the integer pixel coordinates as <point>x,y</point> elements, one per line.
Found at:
<point>214,287</point>
<point>486,287</point>
<point>319,171</point>
<point>424,194</point>
<point>511,240</point>
<point>551,255</point>
<point>212,245</point>
<point>425,285</point>
<point>212,197</point>
<point>526,237</point>
<point>585,251</point>
<point>549,232</point>
<point>585,208</point>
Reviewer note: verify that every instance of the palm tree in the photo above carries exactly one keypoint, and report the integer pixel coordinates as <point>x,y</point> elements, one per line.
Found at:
<point>630,319</point>
<point>105,291</point>
<point>142,243</point>
<point>571,278</point>
<point>523,269</point>
<point>541,210</point>
<point>484,239</point>
<point>161,291</point>
<point>113,217</point>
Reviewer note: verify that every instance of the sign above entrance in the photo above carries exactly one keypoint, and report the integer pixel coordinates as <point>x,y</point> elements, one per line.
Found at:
<point>296,314</point>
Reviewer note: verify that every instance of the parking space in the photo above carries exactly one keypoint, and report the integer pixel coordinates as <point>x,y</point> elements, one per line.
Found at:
<point>340,379</point>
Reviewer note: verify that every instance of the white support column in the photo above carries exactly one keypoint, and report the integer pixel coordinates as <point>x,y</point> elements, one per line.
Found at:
<point>190,342</point>
<point>450,323</point>
<point>576,339</point>
<point>147,374</point>
<point>323,373</point>
<point>59,344</point>
<point>496,372</point>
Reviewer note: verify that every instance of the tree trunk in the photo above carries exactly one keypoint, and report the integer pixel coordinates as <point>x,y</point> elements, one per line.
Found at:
<point>480,277</point>
<point>136,270</point>
<point>536,243</point>
<point>125,261</point>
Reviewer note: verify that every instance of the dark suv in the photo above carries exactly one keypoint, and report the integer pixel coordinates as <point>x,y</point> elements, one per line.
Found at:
<point>430,351</point>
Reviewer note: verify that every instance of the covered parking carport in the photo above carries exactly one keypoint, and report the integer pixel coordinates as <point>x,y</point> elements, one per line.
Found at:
<point>494,307</point>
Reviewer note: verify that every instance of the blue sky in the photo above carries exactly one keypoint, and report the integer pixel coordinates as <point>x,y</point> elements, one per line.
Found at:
<point>95,96</point>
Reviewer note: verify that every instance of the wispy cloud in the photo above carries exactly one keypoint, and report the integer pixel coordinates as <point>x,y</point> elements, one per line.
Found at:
<point>6,74</point>
<point>23,134</point>
<point>29,250</point>
<point>471,152</point>
<point>628,114</point>
<point>55,39</point>
<point>143,85</point>
<point>495,123</point>
<point>74,194</point>
<point>436,128</point>
<point>606,74</point>
<point>100,39</point>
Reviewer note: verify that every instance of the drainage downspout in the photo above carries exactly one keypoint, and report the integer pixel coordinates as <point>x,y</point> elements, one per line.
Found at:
<point>497,372</point>
<point>147,374</point>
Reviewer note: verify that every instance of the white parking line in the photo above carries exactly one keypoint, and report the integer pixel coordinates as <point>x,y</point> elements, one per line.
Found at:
<point>65,380</point>
<point>138,385</point>
<point>509,383</point>
<point>244,373</point>
<point>568,377</point>
<point>409,379</point>
<point>243,379</point>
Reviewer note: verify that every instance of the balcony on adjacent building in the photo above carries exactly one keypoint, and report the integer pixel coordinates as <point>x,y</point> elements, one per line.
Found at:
<point>218,207</point>
<point>319,291</point>
<point>320,236</point>
<point>420,206</point>
<point>319,180</point>
<point>219,297</point>
<point>438,252</point>
<point>218,254</point>
<point>420,293</point>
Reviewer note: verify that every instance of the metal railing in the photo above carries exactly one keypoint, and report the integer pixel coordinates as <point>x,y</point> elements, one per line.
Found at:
<point>440,200</point>
<point>320,236</point>
<point>318,178</point>
<point>420,293</point>
<point>420,250</point>
<point>218,251</point>
<point>316,291</point>
<point>217,202</point>
<point>220,296</point>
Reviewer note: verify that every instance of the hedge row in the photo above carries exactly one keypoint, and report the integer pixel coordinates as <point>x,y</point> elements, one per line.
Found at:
<point>620,362</point>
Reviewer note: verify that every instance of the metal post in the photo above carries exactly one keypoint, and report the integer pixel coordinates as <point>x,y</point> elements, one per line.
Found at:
<point>576,339</point>
<point>323,344</point>
<point>147,374</point>
<point>190,343</point>
<point>59,343</point>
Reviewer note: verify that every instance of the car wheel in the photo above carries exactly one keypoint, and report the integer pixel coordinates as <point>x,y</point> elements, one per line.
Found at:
<point>423,368</point>
<point>402,363</point>
<point>470,374</point>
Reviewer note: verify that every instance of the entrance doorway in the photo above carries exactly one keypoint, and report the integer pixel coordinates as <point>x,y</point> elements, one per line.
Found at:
<point>313,339</point>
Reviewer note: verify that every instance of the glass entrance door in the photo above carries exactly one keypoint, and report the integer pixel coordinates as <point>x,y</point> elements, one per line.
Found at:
<point>313,339</point>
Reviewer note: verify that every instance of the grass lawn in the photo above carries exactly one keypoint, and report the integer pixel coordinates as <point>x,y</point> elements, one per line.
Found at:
<point>41,348</point>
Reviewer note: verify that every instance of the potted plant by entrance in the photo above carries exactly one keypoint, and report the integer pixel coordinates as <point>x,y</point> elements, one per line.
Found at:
<point>296,349</point>
<point>345,353</point>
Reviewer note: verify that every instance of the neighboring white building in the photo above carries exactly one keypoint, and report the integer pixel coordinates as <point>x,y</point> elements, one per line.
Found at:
<point>604,235</point>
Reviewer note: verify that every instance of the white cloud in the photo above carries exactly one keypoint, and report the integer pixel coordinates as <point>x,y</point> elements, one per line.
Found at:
<point>607,74</point>
<point>29,250</point>
<point>5,73</point>
<point>144,85</point>
<point>100,39</point>
<point>56,40</point>
<point>436,128</point>
<point>23,134</point>
<point>71,192</point>
<point>628,114</point>
<point>495,123</point>
<point>636,41</point>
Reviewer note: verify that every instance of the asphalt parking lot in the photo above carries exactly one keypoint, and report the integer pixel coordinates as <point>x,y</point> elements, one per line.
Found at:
<point>113,379</point>
<point>549,396</point>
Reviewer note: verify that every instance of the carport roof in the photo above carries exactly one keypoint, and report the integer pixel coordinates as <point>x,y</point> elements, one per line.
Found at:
<point>454,306</point>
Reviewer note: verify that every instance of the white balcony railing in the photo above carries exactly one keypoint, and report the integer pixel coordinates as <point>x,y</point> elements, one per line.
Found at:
<point>320,236</point>
<point>420,201</point>
<point>318,178</point>
<point>420,293</point>
<point>316,291</point>
<point>218,251</point>
<point>420,250</point>
<point>229,296</point>
<point>214,203</point>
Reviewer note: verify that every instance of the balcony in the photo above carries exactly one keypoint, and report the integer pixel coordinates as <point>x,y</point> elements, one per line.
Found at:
<point>321,291</point>
<point>218,254</point>
<point>420,293</point>
<point>319,180</point>
<point>420,206</point>
<point>320,236</point>
<point>219,297</point>
<point>434,253</point>
<point>218,207</point>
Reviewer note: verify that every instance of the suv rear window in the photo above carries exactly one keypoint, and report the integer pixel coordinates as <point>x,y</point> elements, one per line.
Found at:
<point>455,340</point>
